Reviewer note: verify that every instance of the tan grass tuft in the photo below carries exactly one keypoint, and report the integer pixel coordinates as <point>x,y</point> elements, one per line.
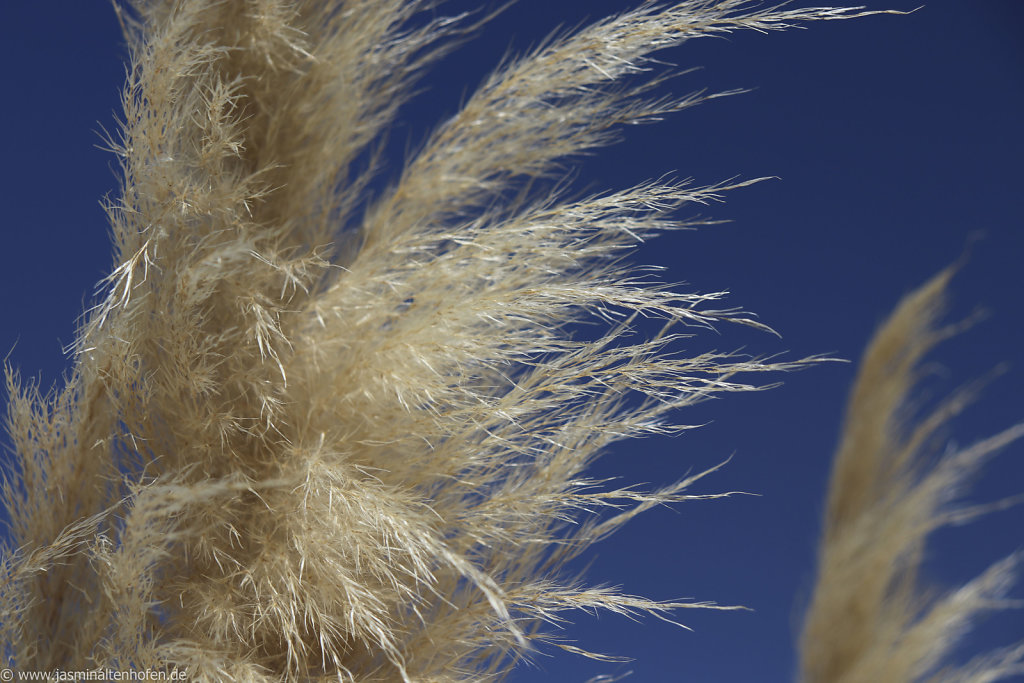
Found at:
<point>310,436</point>
<point>870,618</point>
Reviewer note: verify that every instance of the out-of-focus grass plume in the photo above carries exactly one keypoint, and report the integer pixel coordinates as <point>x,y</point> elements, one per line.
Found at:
<point>871,617</point>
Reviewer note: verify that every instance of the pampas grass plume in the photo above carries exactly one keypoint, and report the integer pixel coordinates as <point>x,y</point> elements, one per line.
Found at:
<point>320,428</point>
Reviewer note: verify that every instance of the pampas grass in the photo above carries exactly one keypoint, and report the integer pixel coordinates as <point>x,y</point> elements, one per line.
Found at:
<point>870,617</point>
<point>290,449</point>
<point>301,455</point>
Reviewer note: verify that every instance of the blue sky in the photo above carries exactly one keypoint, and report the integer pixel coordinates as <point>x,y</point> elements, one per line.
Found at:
<point>896,142</point>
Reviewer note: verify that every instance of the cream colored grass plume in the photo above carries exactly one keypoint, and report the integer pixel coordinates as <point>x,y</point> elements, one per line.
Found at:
<point>871,617</point>
<point>312,436</point>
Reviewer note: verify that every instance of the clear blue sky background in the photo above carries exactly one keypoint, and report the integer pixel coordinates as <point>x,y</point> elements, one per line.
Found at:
<point>894,138</point>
